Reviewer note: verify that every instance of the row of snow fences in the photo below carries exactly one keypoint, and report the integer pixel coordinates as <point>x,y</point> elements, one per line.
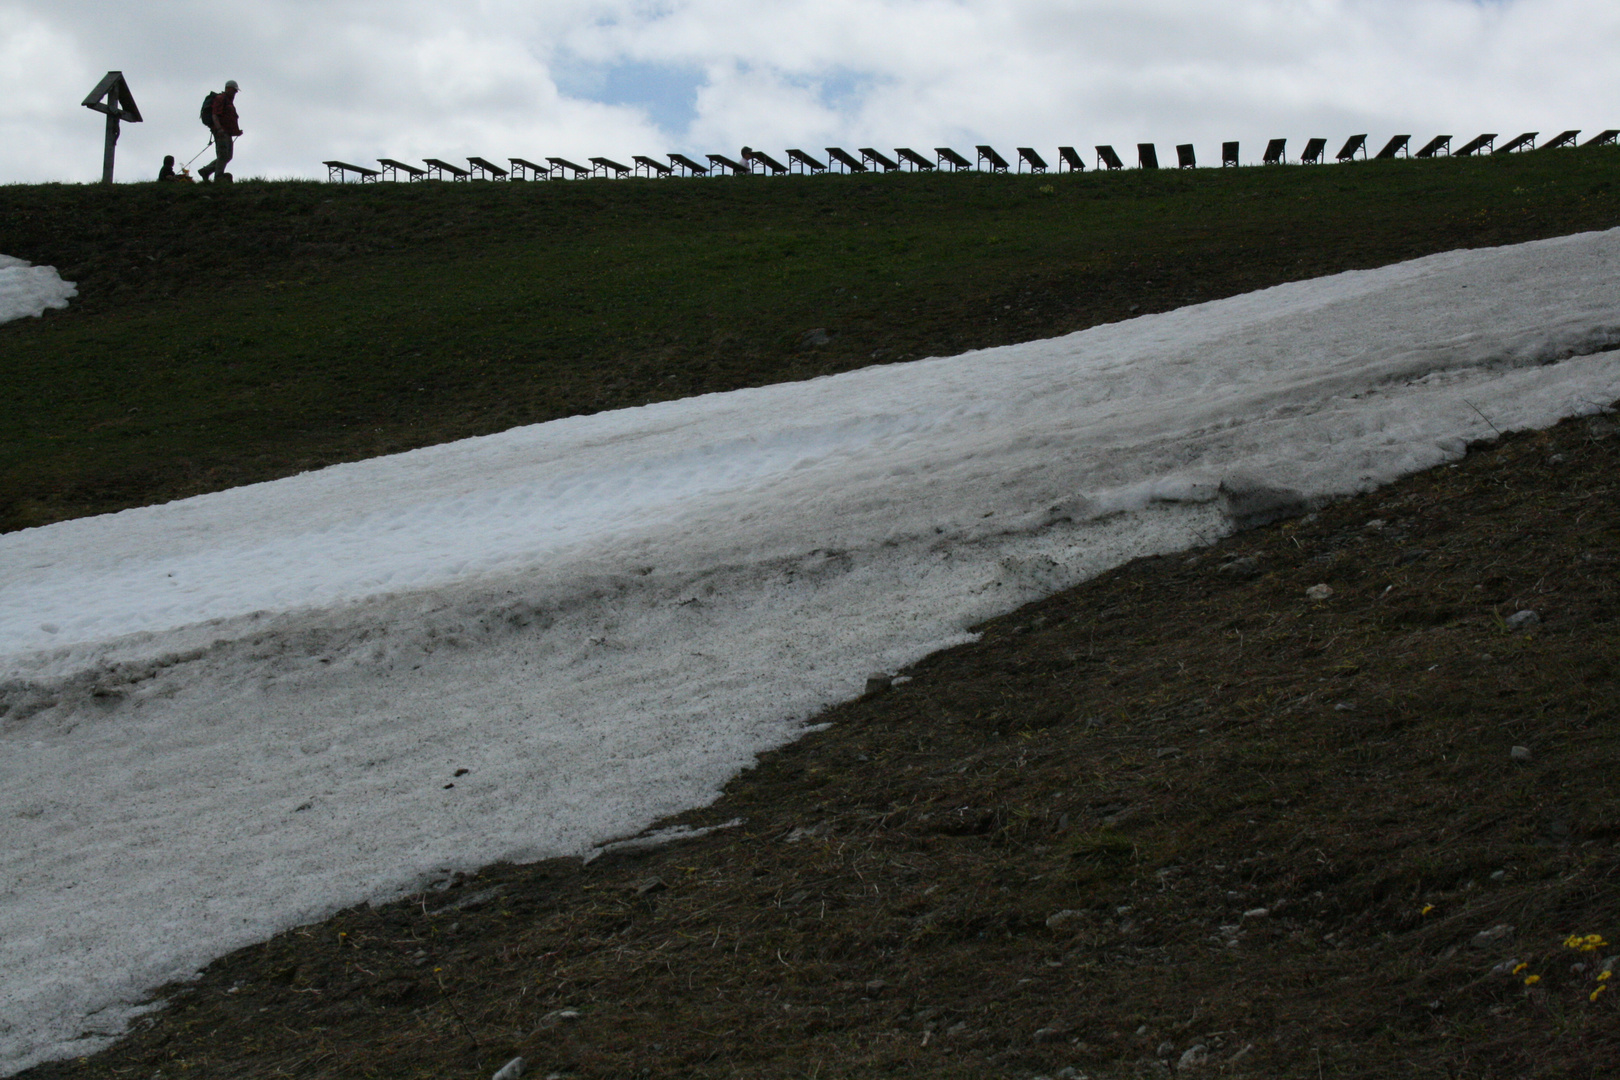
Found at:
<point>868,159</point>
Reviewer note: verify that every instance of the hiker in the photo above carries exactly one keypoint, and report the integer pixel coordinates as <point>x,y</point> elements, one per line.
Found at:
<point>167,172</point>
<point>225,129</point>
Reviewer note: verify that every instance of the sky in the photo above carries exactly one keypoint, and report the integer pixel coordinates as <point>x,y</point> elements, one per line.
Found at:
<point>232,714</point>
<point>357,80</point>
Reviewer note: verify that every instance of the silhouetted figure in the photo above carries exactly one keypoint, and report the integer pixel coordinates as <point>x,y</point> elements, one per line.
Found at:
<point>226,130</point>
<point>167,172</point>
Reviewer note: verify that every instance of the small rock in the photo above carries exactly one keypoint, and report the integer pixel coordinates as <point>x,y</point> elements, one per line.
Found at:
<point>812,339</point>
<point>474,901</point>
<point>876,986</point>
<point>1375,525</point>
<point>511,1070</point>
<point>1046,1035</point>
<point>1505,967</point>
<point>1521,754</point>
<point>559,1016</point>
<point>1496,934</point>
<point>1166,1048</point>
<point>877,683</point>
<point>1257,913</point>
<point>1064,919</point>
<point>1519,620</point>
<point>651,885</point>
<point>1242,568</point>
<point>1194,1057</point>
<point>1168,752</point>
<point>1318,592</point>
<point>1556,459</point>
<point>1499,875</point>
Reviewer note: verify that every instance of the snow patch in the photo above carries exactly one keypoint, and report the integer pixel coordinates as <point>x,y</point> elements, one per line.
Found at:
<point>26,289</point>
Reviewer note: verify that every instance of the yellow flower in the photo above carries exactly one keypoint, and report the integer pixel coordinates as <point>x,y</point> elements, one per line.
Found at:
<point>1531,980</point>
<point>1520,968</point>
<point>1426,909</point>
<point>1594,995</point>
<point>1603,976</point>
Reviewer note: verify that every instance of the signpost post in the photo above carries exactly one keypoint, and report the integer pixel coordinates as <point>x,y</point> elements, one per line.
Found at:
<point>112,96</point>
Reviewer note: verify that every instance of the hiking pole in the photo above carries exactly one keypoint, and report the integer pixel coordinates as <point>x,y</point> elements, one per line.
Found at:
<point>199,153</point>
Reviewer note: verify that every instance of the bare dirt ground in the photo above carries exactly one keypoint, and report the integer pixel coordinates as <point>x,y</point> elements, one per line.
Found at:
<point>1180,819</point>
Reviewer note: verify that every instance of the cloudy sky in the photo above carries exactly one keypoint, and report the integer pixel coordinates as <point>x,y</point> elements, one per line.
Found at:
<point>362,79</point>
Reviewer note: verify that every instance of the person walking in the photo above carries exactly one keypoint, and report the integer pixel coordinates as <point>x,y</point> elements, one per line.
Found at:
<point>226,129</point>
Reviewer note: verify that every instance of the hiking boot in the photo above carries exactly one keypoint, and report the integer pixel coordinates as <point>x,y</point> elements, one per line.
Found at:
<point>204,171</point>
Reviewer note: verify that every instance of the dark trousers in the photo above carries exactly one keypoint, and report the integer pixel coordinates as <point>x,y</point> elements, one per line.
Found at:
<point>222,144</point>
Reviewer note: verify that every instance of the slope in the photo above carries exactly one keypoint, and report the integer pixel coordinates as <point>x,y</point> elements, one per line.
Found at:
<point>223,337</point>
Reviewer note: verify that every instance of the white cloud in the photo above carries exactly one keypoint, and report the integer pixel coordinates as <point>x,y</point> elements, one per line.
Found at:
<point>360,79</point>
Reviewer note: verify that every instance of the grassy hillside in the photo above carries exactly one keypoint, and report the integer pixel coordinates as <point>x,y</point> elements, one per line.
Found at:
<point>226,335</point>
<point>1178,819</point>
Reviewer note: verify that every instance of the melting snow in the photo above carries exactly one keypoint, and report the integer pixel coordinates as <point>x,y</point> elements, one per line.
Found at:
<point>239,712</point>
<point>26,289</point>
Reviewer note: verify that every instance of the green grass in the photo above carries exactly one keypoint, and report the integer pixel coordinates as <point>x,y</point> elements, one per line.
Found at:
<point>227,335</point>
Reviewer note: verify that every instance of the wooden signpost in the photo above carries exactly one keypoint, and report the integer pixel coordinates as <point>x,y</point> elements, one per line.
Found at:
<point>112,96</point>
